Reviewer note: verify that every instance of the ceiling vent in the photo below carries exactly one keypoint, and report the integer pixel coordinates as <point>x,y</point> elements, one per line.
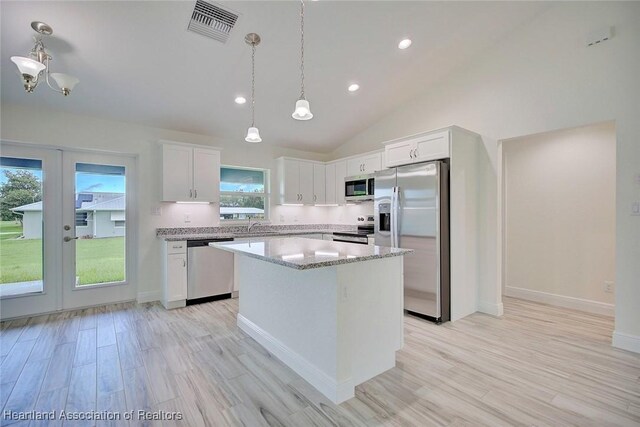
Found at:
<point>212,21</point>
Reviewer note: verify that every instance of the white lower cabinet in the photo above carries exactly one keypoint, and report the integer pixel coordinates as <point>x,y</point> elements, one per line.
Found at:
<point>175,275</point>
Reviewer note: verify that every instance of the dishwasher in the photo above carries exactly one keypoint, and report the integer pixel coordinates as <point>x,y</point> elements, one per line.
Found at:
<point>209,271</point>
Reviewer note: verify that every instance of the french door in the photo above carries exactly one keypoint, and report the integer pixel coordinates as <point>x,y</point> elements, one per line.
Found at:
<point>66,235</point>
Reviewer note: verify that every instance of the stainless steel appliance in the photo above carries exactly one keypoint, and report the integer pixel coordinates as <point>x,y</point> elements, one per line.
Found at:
<point>411,210</point>
<point>209,271</point>
<point>359,188</point>
<point>363,235</point>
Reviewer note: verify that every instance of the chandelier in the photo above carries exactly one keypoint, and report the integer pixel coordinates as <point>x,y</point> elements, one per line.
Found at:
<point>33,67</point>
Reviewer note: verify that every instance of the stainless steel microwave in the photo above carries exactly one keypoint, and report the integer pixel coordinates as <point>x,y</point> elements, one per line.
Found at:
<point>359,188</point>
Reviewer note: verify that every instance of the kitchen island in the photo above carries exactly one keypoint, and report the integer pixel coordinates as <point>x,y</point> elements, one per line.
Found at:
<point>331,311</point>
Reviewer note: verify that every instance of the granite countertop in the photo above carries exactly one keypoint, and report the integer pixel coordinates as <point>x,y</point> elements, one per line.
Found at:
<point>240,235</point>
<point>304,254</point>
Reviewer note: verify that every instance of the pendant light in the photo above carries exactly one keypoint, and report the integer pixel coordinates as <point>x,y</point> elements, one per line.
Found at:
<point>253,135</point>
<point>302,111</point>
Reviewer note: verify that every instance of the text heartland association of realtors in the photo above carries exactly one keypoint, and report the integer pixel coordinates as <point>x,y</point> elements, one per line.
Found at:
<point>139,415</point>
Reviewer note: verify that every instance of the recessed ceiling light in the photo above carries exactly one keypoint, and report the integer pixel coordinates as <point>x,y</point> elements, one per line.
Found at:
<point>353,87</point>
<point>404,44</point>
<point>240,100</point>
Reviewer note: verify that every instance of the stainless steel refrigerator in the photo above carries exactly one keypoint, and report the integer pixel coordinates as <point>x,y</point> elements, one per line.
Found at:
<point>411,209</point>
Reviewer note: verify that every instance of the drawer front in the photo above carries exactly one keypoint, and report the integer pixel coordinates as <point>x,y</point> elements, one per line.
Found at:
<point>179,247</point>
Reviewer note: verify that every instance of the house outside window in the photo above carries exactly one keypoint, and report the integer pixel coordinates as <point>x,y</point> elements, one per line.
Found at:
<point>81,219</point>
<point>244,194</point>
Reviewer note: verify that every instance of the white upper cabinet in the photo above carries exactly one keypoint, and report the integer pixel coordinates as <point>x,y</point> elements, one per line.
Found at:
<point>319,185</point>
<point>190,174</point>
<point>289,176</point>
<point>177,173</point>
<point>306,183</point>
<point>366,164</point>
<point>341,174</point>
<point>206,175</point>
<point>296,182</point>
<point>330,186</point>
<point>418,148</point>
<point>335,175</point>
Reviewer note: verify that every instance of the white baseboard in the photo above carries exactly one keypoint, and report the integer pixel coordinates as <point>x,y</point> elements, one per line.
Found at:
<point>336,392</point>
<point>149,296</point>
<point>626,341</point>
<point>491,308</point>
<point>589,306</point>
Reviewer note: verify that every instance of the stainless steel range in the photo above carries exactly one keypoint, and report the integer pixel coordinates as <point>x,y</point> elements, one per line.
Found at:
<point>364,235</point>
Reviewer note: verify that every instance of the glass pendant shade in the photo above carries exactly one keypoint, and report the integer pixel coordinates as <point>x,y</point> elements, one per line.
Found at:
<point>65,82</point>
<point>28,66</point>
<point>302,111</point>
<point>253,135</point>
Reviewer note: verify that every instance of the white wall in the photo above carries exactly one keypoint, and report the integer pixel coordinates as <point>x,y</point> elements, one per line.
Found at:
<point>542,78</point>
<point>560,212</point>
<point>32,225</point>
<point>33,124</point>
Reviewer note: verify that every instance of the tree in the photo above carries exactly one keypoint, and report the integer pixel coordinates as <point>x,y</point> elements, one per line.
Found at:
<point>21,188</point>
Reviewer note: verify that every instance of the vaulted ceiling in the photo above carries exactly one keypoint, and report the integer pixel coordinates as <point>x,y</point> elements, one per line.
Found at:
<point>137,62</point>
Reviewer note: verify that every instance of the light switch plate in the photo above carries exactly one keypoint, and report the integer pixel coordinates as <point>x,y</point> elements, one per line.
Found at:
<point>635,208</point>
<point>156,211</point>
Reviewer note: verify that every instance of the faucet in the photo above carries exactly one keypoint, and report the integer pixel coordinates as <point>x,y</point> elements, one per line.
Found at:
<point>250,225</point>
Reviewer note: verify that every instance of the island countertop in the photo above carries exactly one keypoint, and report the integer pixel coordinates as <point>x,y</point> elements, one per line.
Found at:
<point>303,254</point>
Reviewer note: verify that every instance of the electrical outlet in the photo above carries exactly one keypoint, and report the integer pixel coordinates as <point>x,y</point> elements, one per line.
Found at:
<point>635,208</point>
<point>608,287</point>
<point>281,218</point>
<point>187,218</point>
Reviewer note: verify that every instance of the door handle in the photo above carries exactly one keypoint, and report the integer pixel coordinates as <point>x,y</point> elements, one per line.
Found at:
<point>68,239</point>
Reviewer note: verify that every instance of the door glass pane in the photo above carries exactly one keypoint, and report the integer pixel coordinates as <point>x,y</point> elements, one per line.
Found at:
<point>100,224</point>
<point>21,229</point>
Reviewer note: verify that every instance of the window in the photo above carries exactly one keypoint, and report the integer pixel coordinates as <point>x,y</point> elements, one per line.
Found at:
<point>118,223</point>
<point>81,219</point>
<point>244,194</point>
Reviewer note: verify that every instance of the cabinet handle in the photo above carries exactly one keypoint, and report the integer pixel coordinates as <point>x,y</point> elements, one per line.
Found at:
<point>191,193</point>
<point>416,153</point>
<point>315,197</point>
<point>195,192</point>
<point>184,262</point>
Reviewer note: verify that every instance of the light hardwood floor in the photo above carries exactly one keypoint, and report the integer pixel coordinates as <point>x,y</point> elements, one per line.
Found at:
<point>538,365</point>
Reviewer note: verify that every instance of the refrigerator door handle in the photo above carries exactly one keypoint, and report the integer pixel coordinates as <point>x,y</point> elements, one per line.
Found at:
<point>394,217</point>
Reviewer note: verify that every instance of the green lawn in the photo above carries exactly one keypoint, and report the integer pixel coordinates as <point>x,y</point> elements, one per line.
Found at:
<point>97,260</point>
<point>10,229</point>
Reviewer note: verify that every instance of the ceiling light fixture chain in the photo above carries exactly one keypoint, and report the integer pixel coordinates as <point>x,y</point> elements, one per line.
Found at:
<point>302,110</point>
<point>302,49</point>
<point>253,84</point>
<point>253,134</point>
